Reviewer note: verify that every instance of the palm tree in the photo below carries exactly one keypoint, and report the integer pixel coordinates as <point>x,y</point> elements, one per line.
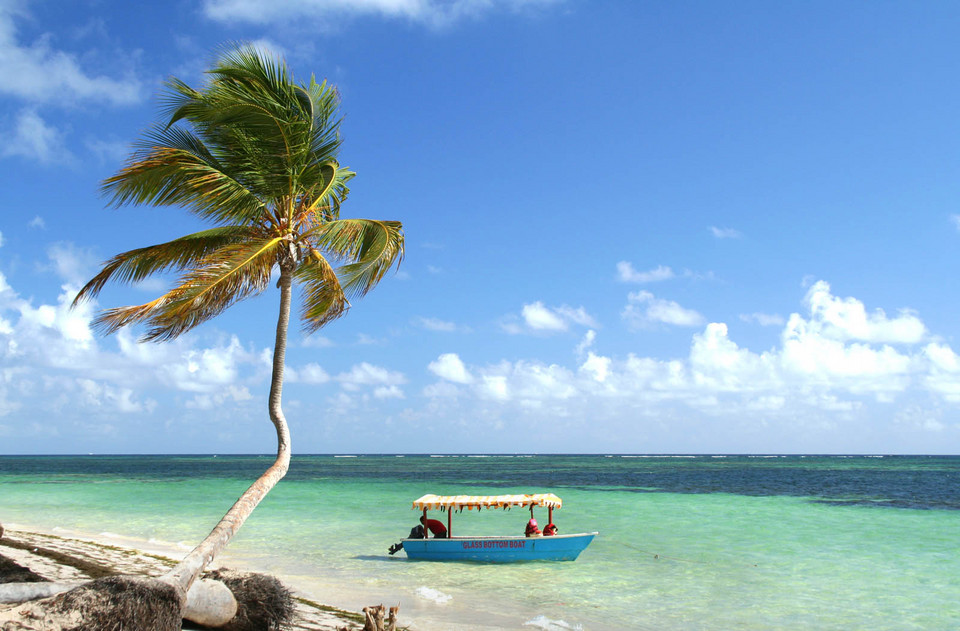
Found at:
<point>254,154</point>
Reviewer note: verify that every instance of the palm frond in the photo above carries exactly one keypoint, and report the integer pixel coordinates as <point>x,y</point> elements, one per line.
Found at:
<point>112,320</point>
<point>370,247</point>
<point>323,297</point>
<point>225,277</point>
<point>326,185</point>
<point>173,166</point>
<point>136,265</point>
<point>231,274</point>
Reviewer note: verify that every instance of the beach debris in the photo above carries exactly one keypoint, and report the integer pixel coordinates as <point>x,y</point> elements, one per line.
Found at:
<point>210,603</point>
<point>26,591</point>
<point>86,566</point>
<point>31,613</point>
<point>263,602</point>
<point>374,618</point>
<point>11,572</point>
<point>114,603</point>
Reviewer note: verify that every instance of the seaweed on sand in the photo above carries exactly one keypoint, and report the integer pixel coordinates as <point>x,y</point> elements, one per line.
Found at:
<point>11,572</point>
<point>119,603</point>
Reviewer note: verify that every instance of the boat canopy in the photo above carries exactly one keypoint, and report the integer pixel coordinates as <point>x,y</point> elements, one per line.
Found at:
<point>459,502</point>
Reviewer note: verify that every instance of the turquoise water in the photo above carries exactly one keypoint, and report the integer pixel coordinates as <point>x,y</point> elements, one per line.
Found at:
<point>685,542</point>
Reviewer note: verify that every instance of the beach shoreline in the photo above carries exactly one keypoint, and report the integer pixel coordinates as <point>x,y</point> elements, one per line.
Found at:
<point>77,557</point>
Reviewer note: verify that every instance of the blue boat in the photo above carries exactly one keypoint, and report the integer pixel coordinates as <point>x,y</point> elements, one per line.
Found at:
<point>535,546</point>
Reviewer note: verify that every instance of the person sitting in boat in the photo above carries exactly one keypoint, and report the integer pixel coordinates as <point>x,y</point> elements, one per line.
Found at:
<point>550,529</point>
<point>532,529</point>
<point>415,533</point>
<point>437,529</point>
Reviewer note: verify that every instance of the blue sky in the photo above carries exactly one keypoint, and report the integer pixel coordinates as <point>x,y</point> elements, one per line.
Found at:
<point>632,227</point>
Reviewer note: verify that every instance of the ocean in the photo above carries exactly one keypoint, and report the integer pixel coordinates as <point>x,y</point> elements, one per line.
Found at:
<point>686,542</point>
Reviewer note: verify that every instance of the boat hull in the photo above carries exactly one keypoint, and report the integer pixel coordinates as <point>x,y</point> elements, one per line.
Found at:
<point>499,549</point>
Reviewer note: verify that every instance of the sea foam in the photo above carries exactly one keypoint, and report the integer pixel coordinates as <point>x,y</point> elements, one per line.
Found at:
<point>545,623</point>
<point>428,593</point>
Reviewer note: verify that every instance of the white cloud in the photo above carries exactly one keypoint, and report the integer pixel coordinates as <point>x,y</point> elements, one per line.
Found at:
<point>577,316</point>
<point>218,399</point>
<point>208,369</point>
<point>944,375</point>
<point>494,387</point>
<point>72,264</point>
<point>388,392</point>
<point>718,364</point>
<point>807,351</point>
<point>627,274</point>
<point>644,309</point>
<point>37,222</point>
<point>39,73</point>
<point>100,395</point>
<point>435,324</point>
<point>317,341</point>
<point>449,366</point>
<point>364,374</point>
<point>588,339</point>
<point>430,12</point>
<point>597,367</point>
<point>847,319</point>
<point>725,233</point>
<point>538,318</point>
<point>819,371</point>
<point>66,331</point>
<point>310,374</point>
<point>32,138</point>
<point>955,219</point>
<point>51,344</point>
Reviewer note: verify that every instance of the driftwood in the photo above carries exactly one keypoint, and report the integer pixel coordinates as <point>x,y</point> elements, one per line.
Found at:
<point>222,599</point>
<point>210,603</point>
<point>233,601</point>
<point>35,590</point>
<point>105,604</point>
<point>374,618</point>
<point>263,602</point>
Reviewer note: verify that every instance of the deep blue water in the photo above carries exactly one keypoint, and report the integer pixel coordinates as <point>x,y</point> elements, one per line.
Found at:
<point>909,482</point>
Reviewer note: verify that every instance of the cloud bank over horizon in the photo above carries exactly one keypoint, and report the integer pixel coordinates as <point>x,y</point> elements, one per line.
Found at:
<point>836,362</point>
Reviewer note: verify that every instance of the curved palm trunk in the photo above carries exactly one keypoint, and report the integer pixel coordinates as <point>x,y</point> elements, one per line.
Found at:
<point>184,574</point>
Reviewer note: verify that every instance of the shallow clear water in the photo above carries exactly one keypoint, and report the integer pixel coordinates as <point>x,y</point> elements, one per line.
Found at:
<point>700,542</point>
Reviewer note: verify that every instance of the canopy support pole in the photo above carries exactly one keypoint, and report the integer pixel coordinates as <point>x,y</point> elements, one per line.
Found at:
<point>426,531</point>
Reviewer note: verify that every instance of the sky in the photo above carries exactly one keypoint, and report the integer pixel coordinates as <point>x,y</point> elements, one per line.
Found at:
<point>631,227</point>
